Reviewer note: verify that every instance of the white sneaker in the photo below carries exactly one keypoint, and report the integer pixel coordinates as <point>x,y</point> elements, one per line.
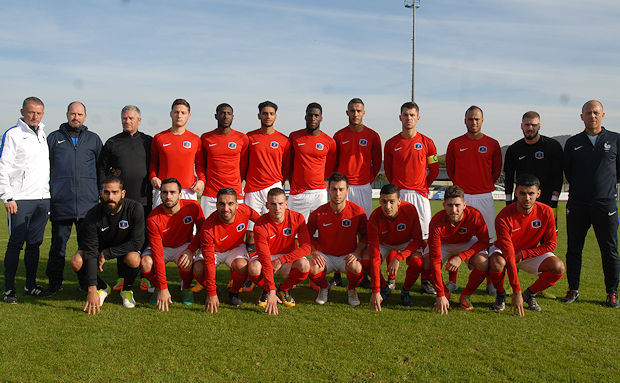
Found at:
<point>103,294</point>
<point>128,300</point>
<point>322,297</point>
<point>354,300</point>
<point>452,287</point>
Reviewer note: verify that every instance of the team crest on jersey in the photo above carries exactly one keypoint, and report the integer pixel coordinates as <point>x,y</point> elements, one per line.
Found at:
<point>417,146</point>
<point>401,227</point>
<point>536,224</point>
<point>539,155</point>
<point>240,227</point>
<point>363,142</point>
<point>482,149</point>
<point>188,219</point>
<point>187,144</point>
<point>232,145</point>
<point>320,146</point>
<point>274,144</point>
<point>462,230</point>
<point>123,224</point>
<point>287,231</point>
<point>346,223</point>
<point>606,146</point>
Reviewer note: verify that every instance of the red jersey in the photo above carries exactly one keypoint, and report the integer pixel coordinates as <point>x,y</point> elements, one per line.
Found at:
<point>269,160</point>
<point>404,228</point>
<point>338,233</point>
<point>517,232</point>
<point>406,161</point>
<point>359,154</point>
<point>441,230</point>
<point>225,157</point>
<point>165,230</point>
<point>313,160</point>
<point>474,165</point>
<point>177,156</point>
<point>271,239</point>
<point>217,236</point>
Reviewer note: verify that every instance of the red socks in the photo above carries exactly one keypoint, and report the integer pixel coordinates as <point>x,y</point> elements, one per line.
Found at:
<point>413,271</point>
<point>238,279</point>
<point>498,280</point>
<point>545,280</point>
<point>295,277</point>
<point>354,280</point>
<point>319,279</point>
<point>258,280</point>
<point>187,276</point>
<point>475,279</point>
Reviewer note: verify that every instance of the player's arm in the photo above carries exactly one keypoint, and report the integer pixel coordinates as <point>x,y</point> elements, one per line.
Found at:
<point>509,174</point>
<point>442,305</point>
<point>7,164</point>
<point>244,157</point>
<point>286,160</point>
<point>375,152</point>
<point>556,172</point>
<point>199,168</point>
<point>432,163</point>
<point>208,253</point>
<point>375,262</point>
<point>154,164</point>
<point>261,241</point>
<point>496,169</point>
<point>89,244</point>
<point>136,237</point>
<point>330,162</point>
<point>450,165</point>
<point>388,159</point>
<point>199,220</point>
<point>568,152</point>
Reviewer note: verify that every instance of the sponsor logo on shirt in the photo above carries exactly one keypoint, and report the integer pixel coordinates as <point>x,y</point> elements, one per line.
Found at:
<point>319,146</point>
<point>482,149</point>
<point>274,144</point>
<point>401,227</point>
<point>397,149</point>
<point>417,146</point>
<point>346,142</point>
<point>384,232</point>
<point>611,213</point>
<point>363,142</point>
<point>272,236</point>
<point>105,228</point>
<point>462,230</point>
<point>188,219</point>
<point>536,223</point>
<point>327,224</point>
<point>165,230</point>
<point>240,227</point>
<point>187,144</point>
<point>463,149</point>
<point>210,145</point>
<point>287,231</point>
<point>232,145</point>
<point>164,145</point>
<point>223,238</point>
<point>300,143</point>
<point>539,155</point>
<point>521,157</point>
<point>123,224</point>
<point>606,146</point>
<point>346,223</point>
<point>518,228</point>
<point>578,147</point>
<point>61,141</point>
<point>255,143</point>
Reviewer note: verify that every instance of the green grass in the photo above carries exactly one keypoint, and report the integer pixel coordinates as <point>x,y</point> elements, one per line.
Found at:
<point>53,340</point>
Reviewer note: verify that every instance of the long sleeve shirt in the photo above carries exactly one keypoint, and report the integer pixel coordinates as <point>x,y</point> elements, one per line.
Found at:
<point>474,165</point>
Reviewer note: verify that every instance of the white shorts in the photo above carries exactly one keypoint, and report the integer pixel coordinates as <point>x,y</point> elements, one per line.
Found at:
<point>227,257</point>
<point>361,195</point>
<point>285,269</point>
<point>333,262</point>
<point>448,250</point>
<point>385,248</point>
<point>422,205</point>
<point>258,201</point>
<point>185,194</point>
<point>171,254</point>
<point>208,205</point>
<point>307,202</point>
<point>529,265</point>
<point>486,206</point>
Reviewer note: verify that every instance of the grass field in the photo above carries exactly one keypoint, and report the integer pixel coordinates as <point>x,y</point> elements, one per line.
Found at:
<point>53,340</point>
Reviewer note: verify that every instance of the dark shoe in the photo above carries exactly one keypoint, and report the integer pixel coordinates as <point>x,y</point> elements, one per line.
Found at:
<point>336,280</point>
<point>10,296</point>
<point>365,283</point>
<point>500,302</point>
<point>530,299</point>
<point>37,291</point>
<point>612,300</point>
<point>426,287</point>
<point>571,296</point>
<point>233,299</point>
<point>55,290</point>
<point>405,298</point>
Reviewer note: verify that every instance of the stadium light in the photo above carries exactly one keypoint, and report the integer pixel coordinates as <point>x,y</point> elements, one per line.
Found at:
<point>413,4</point>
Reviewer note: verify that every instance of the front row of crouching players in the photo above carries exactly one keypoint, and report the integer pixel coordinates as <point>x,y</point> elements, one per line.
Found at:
<point>341,228</point>
<point>277,252</point>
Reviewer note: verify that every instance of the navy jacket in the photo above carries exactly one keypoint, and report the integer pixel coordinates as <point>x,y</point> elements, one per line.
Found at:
<point>73,173</point>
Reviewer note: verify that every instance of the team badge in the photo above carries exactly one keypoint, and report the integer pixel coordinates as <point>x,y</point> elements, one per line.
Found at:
<point>274,144</point>
<point>606,146</point>
<point>482,149</point>
<point>240,227</point>
<point>287,231</point>
<point>536,224</point>
<point>188,219</point>
<point>539,155</point>
<point>320,146</point>
<point>346,223</point>
<point>462,230</point>
<point>123,224</point>
<point>232,145</point>
<point>187,144</point>
<point>401,227</point>
<point>363,142</point>
<point>417,146</point>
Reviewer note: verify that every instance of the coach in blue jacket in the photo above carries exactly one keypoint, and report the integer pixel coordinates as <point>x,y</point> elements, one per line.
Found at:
<point>74,151</point>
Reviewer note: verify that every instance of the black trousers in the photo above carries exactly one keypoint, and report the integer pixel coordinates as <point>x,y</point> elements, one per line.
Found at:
<point>604,219</point>
<point>61,231</point>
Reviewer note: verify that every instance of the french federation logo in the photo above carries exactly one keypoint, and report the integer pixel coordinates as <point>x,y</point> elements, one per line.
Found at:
<point>287,231</point>
<point>320,146</point>
<point>232,145</point>
<point>539,155</point>
<point>274,144</point>
<point>462,230</point>
<point>363,142</point>
<point>188,219</point>
<point>123,224</point>
<point>187,144</point>
<point>536,224</point>
<point>482,149</point>
<point>346,223</point>
<point>417,146</point>
<point>401,227</point>
<point>240,227</point>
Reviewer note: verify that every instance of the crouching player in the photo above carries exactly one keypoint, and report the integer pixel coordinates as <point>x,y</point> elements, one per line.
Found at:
<point>394,234</point>
<point>341,227</point>
<point>221,239</point>
<point>277,252</point>
<point>457,234</point>
<point>114,228</point>
<point>170,228</point>
<point>526,237</point>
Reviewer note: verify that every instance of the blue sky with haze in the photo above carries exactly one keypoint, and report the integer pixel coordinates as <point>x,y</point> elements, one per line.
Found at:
<point>506,57</point>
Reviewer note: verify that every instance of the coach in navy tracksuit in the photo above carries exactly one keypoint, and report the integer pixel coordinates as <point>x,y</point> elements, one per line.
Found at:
<point>74,151</point>
<point>592,167</point>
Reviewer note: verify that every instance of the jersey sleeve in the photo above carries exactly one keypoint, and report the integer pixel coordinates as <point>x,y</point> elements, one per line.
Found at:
<point>387,161</point>
<point>207,245</point>
<point>264,255</point>
<point>496,169</point>
<point>434,247</point>
<point>557,169</point>
<point>503,229</point>
<point>375,152</point>
<point>199,163</point>
<point>286,160</point>
<point>431,163</point>
<point>244,157</point>
<point>7,164</point>
<point>330,161</point>
<point>375,253</point>
<point>199,219</point>
<point>136,238</point>
<point>154,162</point>
<point>157,254</point>
<point>89,243</point>
<point>450,165</point>
<point>509,173</point>
<point>312,228</point>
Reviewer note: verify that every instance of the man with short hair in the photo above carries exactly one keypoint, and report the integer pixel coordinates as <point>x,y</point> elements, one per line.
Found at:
<point>170,228</point>
<point>457,234</point>
<point>177,153</point>
<point>313,155</point>
<point>74,152</point>
<point>592,168</point>
<point>538,155</point>
<point>526,239</point>
<point>341,227</point>
<point>113,229</point>
<point>225,154</point>
<point>394,234</point>
<point>277,251</point>
<point>221,239</point>
<point>24,189</point>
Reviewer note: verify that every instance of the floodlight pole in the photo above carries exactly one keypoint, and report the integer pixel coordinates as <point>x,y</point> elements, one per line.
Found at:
<point>413,4</point>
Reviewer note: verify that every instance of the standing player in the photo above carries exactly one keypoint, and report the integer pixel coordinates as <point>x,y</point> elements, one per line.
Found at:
<point>225,156</point>
<point>313,160</point>
<point>176,153</point>
<point>221,240</point>
<point>114,228</point>
<point>277,252</point>
<point>457,234</point>
<point>592,167</point>
<point>526,237</point>
<point>538,155</point>
<point>341,226</point>
<point>170,228</point>
<point>394,234</point>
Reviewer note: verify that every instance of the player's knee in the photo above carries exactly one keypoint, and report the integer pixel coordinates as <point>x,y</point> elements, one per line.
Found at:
<point>553,264</point>
<point>132,259</point>
<point>240,265</point>
<point>254,268</point>
<point>77,261</point>
<point>480,262</point>
<point>146,263</point>
<point>354,267</point>
<point>302,265</point>
<point>496,263</point>
<point>199,269</point>
<point>315,269</point>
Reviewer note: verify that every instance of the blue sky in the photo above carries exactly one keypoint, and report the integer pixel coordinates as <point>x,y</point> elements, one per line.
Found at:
<point>506,57</point>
